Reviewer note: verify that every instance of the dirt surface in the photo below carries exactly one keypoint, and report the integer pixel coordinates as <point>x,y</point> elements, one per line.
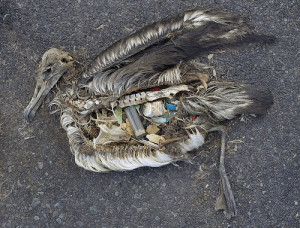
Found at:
<point>42,186</point>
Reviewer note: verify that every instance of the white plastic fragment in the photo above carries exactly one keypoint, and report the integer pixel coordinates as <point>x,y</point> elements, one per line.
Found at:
<point>155,108</point>
<point>147,110</point>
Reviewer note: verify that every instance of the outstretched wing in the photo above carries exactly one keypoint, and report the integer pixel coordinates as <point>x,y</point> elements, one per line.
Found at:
<point>140,60</point>
<point>159,33</point>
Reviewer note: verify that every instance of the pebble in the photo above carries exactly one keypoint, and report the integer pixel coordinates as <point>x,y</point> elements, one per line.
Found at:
<point>93,210</point>
<point>36,218</point>
<point>40,165</point>
<point>19,184</point>
<point>58,220</point>
<point>296,203</point>
<point>55,214</point>
<point>10,169</point>
<point>118,208</point>
<point>157,218</point>
<point>35,202</point>
<point>79,223</point>
<point>137,196</point>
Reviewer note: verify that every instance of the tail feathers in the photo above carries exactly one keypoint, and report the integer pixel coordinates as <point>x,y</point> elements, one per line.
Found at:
<point>258,38</point>
<point>261,100</point>
<point>224,101</point>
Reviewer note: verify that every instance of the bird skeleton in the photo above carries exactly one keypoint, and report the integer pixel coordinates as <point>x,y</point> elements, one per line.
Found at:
<point>152,78</point>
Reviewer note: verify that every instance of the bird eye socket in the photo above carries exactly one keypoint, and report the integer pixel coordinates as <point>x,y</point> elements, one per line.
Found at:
<point>46,73</point>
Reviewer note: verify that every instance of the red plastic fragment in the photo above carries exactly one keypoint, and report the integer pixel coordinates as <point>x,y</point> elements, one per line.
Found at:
<point>155,89</point>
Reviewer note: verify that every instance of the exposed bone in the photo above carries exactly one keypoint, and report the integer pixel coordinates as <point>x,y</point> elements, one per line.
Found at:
<point>86,106</point>
<point>103,118</point>
<point>144,97</point>
<point>109,134</point>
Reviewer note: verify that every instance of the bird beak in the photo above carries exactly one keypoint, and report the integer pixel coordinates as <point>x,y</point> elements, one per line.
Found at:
<point>41,90</point>
<point>55,63</point>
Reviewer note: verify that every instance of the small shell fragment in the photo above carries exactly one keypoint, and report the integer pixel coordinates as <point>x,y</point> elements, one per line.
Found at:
<point>155,138</point>
<point>152,129</point>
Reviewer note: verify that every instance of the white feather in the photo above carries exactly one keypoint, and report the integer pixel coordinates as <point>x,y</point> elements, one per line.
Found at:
<point>193,142</point>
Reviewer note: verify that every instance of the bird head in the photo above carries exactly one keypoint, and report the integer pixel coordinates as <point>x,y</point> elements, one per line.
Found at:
<point>55,64</point>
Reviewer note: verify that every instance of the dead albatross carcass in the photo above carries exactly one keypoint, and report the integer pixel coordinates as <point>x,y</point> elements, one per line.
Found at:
<point>146,100</point>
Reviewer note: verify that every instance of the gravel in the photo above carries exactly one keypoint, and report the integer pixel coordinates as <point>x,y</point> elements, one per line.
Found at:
<point>55,214</point>
<point>35,202</point>
<point>79,223</point>
<point>93,210</point>
<point>40,165</point>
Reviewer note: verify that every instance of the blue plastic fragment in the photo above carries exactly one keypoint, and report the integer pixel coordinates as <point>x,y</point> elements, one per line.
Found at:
<point>171,107</point>
<point>160,119</point>
<point>164,118</point>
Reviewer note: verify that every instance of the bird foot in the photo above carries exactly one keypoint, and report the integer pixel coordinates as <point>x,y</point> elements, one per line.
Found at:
<point>225,200</point>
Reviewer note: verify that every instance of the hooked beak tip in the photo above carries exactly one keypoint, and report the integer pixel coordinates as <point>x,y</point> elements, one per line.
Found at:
<point>28,116</point>
<point>29,113</point>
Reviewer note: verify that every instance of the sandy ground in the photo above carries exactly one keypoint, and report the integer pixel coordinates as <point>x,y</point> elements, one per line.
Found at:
<point>40,185</point>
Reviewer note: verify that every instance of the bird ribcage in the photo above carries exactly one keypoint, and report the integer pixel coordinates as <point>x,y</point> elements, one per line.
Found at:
<point>85,106</point>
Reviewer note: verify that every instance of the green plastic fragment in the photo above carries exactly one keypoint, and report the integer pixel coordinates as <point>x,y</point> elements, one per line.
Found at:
<point>118,114</point>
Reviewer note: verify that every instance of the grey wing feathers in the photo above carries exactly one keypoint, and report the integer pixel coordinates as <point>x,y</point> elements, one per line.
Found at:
<point>155,33</point>
<point>209,31</point>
